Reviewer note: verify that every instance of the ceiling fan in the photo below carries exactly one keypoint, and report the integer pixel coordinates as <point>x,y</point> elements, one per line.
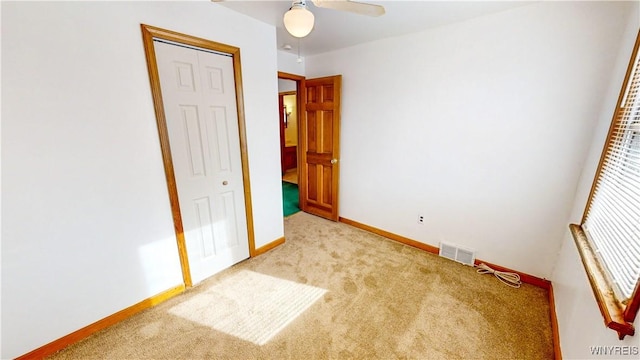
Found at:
<point>299,20</point>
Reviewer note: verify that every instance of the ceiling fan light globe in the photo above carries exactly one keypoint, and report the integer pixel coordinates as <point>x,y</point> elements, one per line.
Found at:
<point>298,21</point>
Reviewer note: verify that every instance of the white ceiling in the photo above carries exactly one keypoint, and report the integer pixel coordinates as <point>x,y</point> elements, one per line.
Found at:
<point>337,29</point>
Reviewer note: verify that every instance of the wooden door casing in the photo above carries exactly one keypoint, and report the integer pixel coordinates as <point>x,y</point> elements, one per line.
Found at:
<point>320,142</point>
<point>281,112</point>
<point>149,33</point>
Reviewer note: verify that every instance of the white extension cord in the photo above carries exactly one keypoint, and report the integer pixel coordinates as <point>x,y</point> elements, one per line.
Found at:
<point>511,279</point>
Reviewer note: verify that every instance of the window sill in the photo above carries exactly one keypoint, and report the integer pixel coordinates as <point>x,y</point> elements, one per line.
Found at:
<point>612,310</point>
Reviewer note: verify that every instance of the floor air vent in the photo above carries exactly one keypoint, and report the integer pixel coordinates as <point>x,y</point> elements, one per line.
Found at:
<point>458,254</point>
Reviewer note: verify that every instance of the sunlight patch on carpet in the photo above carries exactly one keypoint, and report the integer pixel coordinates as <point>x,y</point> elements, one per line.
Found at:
<point>249,305</point>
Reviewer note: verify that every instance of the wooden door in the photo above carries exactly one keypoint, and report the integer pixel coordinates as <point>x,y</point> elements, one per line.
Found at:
<point>320,147</point>
<point>198,92</point>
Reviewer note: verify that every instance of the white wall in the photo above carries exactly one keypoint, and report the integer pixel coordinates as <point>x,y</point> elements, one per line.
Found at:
<point>288,62</point>
<point>87,227</point>
<point>480,126</point>
<point>285,85</point>
<point>580,322</point>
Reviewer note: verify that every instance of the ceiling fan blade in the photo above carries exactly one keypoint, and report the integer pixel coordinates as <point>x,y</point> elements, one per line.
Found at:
<point>351,6</point>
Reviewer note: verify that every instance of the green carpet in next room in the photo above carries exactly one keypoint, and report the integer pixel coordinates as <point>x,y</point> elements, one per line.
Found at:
<point>289,198</point>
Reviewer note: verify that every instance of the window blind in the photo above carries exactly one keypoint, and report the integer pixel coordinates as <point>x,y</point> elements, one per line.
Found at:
<point>612,221</point>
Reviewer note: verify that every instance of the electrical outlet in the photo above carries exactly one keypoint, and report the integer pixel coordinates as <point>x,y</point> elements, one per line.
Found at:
<point>420,219</point>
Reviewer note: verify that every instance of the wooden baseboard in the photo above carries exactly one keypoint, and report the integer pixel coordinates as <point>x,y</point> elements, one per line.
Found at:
<point>526,278</point>
<point>392,236</point>
<point>78,335</point>
<point>263,249</point>
<point>555,332</point>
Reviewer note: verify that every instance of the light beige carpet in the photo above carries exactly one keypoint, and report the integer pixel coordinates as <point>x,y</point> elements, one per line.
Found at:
<point>249,305</point>
<point>383,300</point>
